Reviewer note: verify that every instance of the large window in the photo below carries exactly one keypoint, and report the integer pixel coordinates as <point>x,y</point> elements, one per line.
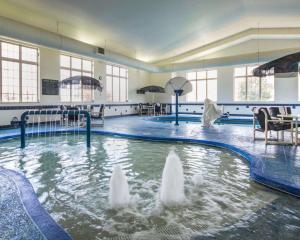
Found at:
<point>250,88</point>
<point>72,66</point>
<point>116,83</point>
<point>204,85</point>
<point>19,73</point>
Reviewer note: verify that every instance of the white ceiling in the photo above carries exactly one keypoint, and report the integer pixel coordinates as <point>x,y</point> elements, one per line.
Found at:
<point>152,30</point>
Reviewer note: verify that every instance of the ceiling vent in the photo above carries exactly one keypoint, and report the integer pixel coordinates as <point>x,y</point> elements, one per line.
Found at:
<point>100,51</point>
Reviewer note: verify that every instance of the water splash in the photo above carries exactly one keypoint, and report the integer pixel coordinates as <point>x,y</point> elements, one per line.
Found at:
<point>172,184</point>
<point>118,189</point>
<point>197,179</point>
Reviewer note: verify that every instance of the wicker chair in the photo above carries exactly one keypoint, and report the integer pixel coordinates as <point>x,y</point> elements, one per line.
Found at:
<point>267,124</point>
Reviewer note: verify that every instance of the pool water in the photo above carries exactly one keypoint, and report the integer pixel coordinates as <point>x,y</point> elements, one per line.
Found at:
<point>245,121</point>
<point>73,185</point>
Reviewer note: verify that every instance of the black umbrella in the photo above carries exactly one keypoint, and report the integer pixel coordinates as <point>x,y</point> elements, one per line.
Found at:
<point>151,89</point>
<point>283,65</point>
<point>85,81</point>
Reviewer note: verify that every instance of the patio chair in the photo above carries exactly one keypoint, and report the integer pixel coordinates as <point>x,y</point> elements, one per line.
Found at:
<point>97,113</point>
<point>163,109</point>
<point>267,124</point>
<point>288,110</point>
<point>157,109</point>
<point>274,112</point>
<point>71,116</point>
<point>142,110</point>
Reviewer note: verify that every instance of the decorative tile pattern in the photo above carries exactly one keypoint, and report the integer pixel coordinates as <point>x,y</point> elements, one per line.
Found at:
<point>14,221</point>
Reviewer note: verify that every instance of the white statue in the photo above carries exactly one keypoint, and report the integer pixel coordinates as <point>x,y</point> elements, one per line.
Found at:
<point>211,113</point>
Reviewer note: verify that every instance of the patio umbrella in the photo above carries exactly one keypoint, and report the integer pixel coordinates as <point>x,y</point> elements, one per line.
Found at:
<point>178,86</point>
<point>286,66</point>
<point>85,81</point>
<point>151,89</point>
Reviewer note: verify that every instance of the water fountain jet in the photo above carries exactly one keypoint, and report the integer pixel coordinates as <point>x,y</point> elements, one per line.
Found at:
<point>172,184</point>
<point>118,189</point>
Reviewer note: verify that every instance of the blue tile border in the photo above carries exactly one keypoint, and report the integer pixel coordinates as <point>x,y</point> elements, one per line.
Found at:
<point>247,105</point>
<point>240,104</point>
<point>45,223</point>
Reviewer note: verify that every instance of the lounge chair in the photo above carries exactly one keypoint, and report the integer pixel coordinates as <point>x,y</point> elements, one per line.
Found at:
<point>267,124</point>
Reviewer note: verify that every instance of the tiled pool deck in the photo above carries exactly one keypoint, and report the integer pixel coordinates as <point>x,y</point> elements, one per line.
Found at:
<point>273,165</point>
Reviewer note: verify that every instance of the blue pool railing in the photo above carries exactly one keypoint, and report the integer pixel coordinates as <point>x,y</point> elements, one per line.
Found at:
<point>56,112</point>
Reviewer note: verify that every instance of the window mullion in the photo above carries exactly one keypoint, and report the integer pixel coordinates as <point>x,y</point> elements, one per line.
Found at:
<point>206,85</point>
<point>112,88</point>
<point>81,86</point>
<point>119,100</point>
<point>1,98</point>
<point>260,96</point>
<point>246,86</point>
<point>37,78</point>
<point>20,75</point>
<point>70,74</point>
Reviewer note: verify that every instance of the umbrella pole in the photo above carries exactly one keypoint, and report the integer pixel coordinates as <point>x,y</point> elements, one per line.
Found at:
<point>177,94</point>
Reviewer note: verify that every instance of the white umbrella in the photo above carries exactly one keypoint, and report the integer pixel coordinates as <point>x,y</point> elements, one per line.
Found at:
<point>178,86</point>
<point>178,83</point>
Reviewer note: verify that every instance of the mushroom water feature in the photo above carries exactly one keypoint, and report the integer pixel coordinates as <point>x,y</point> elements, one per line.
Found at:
<point>172,183</point>
<point>119,195</point>
<point>178,86</point>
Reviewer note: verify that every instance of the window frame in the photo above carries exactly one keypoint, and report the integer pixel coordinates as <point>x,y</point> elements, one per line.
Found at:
<point>247,77</point>
<point>81,70</point>
<point>20,62</point>
<point>206,79</point>
<point>112,76</point>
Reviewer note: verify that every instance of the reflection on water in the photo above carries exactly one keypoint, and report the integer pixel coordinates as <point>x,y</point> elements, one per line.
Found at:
<point>72,183</point>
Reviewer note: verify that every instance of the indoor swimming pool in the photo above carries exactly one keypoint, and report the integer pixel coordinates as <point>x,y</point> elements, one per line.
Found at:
<point>73,184</point>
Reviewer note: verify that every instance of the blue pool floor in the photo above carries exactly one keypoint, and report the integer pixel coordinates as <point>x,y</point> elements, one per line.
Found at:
<point>277,166</point>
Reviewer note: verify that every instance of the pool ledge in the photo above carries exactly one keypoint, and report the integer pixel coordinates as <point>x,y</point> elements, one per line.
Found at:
<point>39,216</point>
